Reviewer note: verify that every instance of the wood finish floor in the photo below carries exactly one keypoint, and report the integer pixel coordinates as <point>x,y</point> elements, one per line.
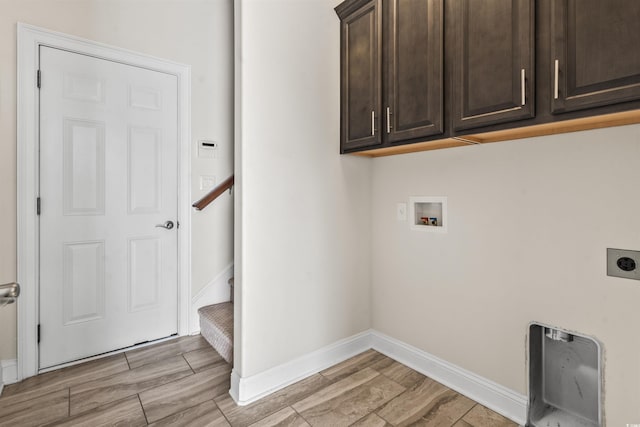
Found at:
<point>184,382</point>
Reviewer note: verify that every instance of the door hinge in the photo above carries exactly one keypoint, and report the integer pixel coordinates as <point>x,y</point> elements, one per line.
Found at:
<point>38,333</point>
<point>39,79</point>
<point>38,206</point>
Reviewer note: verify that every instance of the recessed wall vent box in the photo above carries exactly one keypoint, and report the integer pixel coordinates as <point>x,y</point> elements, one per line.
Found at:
<point>565,379</point>
<point>428,213</point>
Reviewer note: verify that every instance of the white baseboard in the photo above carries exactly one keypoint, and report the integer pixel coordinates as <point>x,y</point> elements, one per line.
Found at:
<point>245,390</point>
<point>216,291</point>
<point>8,372</point>
<point>494,396</point>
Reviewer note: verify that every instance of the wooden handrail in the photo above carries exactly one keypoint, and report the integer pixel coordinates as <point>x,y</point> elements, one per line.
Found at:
<point>213,194</point>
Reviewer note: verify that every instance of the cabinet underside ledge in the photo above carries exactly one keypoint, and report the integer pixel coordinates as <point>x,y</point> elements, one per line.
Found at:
<point>566,126</point>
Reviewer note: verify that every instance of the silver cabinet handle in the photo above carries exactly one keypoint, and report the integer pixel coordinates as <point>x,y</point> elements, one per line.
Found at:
<point>388,120</point>
<point>523,87</point>
<point>373,123</point>
<point>168,225</point>
<point>555,80</point>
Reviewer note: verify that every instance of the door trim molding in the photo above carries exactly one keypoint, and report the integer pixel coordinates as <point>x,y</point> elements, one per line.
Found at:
<point>30,38</point>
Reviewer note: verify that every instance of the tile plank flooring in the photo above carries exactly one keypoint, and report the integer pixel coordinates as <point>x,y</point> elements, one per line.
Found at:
<point>184,382</point>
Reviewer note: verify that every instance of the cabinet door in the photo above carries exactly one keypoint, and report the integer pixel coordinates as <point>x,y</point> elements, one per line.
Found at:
<point>413,64</point>
<point>493,62</point>
<point>360,76</point>
<point>595,48</point>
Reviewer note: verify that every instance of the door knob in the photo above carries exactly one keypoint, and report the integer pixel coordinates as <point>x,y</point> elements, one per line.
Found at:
<point>168,225</point>
<point>8,293</point>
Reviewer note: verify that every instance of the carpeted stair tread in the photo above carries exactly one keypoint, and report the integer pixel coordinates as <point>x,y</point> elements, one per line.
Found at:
<point>216,326</point>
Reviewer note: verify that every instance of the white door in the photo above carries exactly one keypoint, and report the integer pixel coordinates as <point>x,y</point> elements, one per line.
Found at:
<point>108,176</point>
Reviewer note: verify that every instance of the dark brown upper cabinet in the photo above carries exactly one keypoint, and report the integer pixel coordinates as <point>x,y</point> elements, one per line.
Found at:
<point>595,53</point>
<point>444,73</point>
<point>413,88</point>
<point>493,62</point>
<point>391,71</point>
<point>360,75</point>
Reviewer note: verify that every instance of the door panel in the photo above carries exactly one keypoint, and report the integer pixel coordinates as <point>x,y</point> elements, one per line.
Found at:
<point>145,269</point>
<point>83,282</point>
<point>145,185</point>
<point>361,84</point>
<point>595,44</point>
<point>108,175</point>
<point>414,69</point>
<point>84,180</point>
<point>492,62</point>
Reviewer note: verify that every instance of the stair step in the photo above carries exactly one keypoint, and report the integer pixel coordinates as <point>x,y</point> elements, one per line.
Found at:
<point>216,326</point>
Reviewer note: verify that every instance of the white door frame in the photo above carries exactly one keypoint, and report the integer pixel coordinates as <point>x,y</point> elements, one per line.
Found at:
<point>30,38</point>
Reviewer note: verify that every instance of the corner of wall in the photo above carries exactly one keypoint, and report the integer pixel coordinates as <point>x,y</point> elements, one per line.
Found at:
<point>246,390</point>
<point>216,291</point>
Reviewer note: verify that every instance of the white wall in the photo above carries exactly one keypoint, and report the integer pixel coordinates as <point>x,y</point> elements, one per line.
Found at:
<point>529,224</point>
<point>303,246</point>
<point>195,32</point>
